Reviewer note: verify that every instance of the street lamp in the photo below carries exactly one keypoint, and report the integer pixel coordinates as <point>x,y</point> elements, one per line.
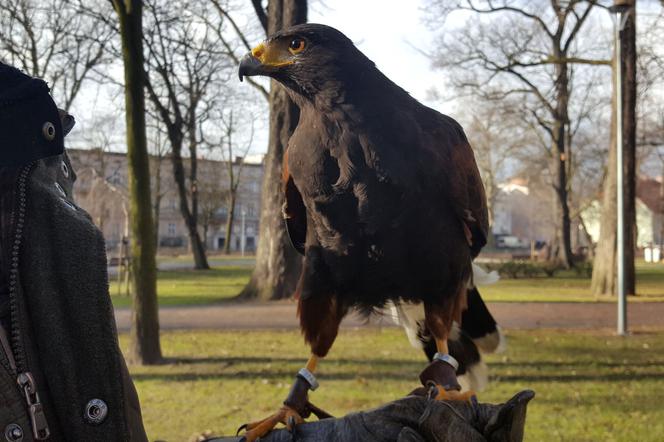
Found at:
<point>620,11</point>
<point>244,237</point>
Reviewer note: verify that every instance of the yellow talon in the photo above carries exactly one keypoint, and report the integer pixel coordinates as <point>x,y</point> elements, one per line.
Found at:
<point>258,429</point>
<point>453,395</point>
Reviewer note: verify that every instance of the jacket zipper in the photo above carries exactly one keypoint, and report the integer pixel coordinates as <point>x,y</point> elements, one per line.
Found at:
<point>24,377</point>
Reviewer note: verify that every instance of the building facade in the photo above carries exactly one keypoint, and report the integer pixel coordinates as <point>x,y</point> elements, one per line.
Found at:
<point>101,189</point>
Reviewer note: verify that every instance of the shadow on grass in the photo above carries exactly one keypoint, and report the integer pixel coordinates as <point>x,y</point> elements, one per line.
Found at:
<point>611,377</point>
<point>254,368</point>
<point>401,375</point>
<point>232,360</point>
<point>575,365</point>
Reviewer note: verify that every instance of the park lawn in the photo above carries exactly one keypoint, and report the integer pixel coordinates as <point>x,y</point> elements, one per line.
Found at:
<point>248,260</point>
<point>567,286</point>
<point>189,287</point>
<point>193,287</point>
<point>590,385</point>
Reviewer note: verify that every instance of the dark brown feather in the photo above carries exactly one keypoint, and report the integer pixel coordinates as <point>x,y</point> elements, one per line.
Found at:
<point>384,191</point>
<point>293,211</point>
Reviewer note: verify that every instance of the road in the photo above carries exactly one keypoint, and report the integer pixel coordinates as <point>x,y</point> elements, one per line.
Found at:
<point>281,315</point>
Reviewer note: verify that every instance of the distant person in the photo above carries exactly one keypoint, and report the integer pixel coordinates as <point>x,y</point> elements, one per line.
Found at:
<point>62,375</point>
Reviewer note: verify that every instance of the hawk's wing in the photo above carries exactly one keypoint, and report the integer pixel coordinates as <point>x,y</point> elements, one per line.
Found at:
<point>293,210</point>
<point>466,192</point>
<point>440,162</point>
<point>454,161</point>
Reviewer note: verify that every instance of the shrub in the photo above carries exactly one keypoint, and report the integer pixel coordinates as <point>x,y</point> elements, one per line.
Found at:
<point>550,268</point>
<point>584,268</point>
<point>518,268</point>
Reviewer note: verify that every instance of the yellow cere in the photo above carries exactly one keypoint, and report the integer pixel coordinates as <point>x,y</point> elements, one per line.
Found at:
<point>272,54</point>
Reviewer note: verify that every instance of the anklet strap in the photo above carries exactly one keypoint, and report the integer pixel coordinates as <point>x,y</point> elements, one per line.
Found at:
<point>308,376</point>
<point>448,359</point>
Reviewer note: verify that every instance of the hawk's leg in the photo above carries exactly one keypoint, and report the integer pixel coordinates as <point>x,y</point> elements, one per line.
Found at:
<point>319,319</point>
<point>295,408</point>
<point>440,375</point>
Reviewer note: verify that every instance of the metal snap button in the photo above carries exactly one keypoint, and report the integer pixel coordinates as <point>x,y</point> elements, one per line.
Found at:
<point>13,433</point>
<point>95,412</point>
<point>68,204</point>
<point>59,188</point>
<point>65,170</point>
<point>48,130</point>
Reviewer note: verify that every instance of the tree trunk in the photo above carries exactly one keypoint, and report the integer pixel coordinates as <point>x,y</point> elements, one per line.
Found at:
<point>229,221</point>
<point>560,160</point>
<point>144,346</point>
<point>277,262</point>
<point>588,238</point>
<point>604,268</point>
<point>205,226</point>
<point>157,201</point>
<point>200,259</point>
<point>628,49</point>
<point>197,245</point>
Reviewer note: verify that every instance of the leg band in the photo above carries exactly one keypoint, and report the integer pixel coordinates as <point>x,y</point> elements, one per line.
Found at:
<point>447,358</point>
<point>308,376</point>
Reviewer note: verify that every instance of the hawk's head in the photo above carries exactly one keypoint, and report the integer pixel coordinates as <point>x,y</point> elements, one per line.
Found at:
<point>308,59</point>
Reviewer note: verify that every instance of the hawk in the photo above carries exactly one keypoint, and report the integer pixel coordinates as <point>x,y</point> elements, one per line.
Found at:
<point>384,200</point>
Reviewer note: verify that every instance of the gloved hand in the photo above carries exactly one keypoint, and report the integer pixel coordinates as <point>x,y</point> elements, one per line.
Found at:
<point>417,419</point>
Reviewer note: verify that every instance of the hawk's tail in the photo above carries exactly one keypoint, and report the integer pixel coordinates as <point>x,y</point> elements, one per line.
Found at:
<point>478,334</point>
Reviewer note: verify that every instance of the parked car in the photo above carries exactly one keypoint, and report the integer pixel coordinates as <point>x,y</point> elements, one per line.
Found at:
<point>511,242</point>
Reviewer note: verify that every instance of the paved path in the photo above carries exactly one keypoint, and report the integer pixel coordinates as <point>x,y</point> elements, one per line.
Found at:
<point>280,315</point>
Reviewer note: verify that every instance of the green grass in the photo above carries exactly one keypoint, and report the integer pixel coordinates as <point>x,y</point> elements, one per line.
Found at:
<point>589,386</point>
<point>189,287</point>
<point>188,258</point>
<point>192,287</point>
<point>567,286</point>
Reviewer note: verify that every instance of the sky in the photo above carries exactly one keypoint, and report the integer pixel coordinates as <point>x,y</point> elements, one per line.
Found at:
<point>390,32</point>
<point>392,35</point>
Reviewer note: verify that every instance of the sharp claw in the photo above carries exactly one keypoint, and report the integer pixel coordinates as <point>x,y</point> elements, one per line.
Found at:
<point>432,393</point>
<point>242,427</point>
<point>290,424</point>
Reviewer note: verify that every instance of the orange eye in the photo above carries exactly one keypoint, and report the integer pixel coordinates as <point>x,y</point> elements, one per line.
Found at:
<point>296,45</point>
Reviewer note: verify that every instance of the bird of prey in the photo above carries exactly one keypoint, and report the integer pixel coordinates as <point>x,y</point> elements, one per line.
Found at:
<point>384,200</point>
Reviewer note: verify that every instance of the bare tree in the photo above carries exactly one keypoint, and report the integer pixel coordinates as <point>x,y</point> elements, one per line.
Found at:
<point>144,345</point>
<point>212,199</point>
<point>277,263</point>
<point>496,136</point>
<point>51,40</point>
<point>233,159</point>
<point>235,38</point>
<point>527,51</point>
<point>183,61</point>
<point>604,269</point>
<point>158,149</point>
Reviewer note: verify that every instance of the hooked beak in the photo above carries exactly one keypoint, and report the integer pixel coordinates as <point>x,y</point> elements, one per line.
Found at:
<point>249,66</point>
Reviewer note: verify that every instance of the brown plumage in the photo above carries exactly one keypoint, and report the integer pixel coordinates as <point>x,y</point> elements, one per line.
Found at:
<point>384,200</point>
<point>382,194</point>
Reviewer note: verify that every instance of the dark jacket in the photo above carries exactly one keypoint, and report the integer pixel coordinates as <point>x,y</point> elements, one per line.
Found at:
<point>61,342</point>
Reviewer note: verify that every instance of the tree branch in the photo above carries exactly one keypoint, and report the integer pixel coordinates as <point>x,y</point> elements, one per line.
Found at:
<point>260,13</point>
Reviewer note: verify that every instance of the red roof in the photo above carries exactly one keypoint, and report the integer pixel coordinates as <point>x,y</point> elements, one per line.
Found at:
<point>651,193</point>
